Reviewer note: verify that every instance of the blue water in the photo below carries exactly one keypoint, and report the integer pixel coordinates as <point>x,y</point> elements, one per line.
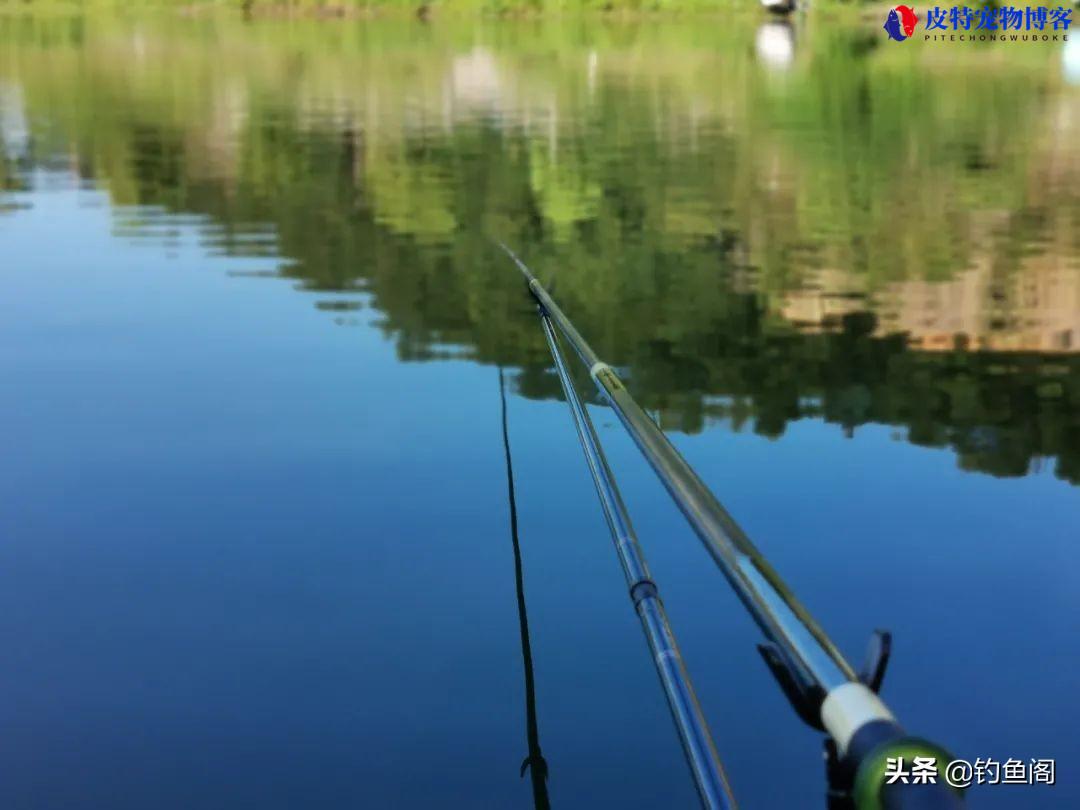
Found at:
<point>250,557</point>
<point>254,553</point>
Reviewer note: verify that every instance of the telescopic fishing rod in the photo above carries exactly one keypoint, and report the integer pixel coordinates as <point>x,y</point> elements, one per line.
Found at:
<point>821,685</point>
<point>694,733</point>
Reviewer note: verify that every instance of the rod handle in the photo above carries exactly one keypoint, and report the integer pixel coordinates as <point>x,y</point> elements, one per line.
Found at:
<point>876,789</point>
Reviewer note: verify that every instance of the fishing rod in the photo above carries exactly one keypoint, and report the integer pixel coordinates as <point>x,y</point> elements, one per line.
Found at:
<point>693,731</point>
<point>822,687</point>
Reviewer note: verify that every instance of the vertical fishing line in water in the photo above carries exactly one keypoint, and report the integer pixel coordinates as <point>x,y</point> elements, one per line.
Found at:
<point>534,762</point>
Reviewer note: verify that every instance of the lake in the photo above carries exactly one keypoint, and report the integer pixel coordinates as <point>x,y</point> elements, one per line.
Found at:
<point>254,543</point>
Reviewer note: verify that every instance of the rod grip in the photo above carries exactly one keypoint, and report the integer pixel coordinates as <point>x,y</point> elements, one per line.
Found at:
<point>877,787</point>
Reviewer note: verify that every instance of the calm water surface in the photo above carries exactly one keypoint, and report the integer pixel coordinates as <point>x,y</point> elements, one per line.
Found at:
<point>254,539</point>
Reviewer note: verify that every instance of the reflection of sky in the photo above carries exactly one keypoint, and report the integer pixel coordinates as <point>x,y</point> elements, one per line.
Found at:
<point>774,44</point>
<point>251,557</point>
<point>1070,57</point>
<point>14,133</point>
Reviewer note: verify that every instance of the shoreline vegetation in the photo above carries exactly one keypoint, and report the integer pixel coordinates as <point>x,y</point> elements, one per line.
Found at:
<point>629,11</point>
<point>426,9</point>
<point>419,8</point>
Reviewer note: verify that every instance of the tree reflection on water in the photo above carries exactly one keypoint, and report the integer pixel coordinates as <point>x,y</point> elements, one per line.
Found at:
<point>855,233</point>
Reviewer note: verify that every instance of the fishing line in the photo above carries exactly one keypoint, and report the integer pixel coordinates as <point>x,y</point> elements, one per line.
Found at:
<point>534,762</point>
